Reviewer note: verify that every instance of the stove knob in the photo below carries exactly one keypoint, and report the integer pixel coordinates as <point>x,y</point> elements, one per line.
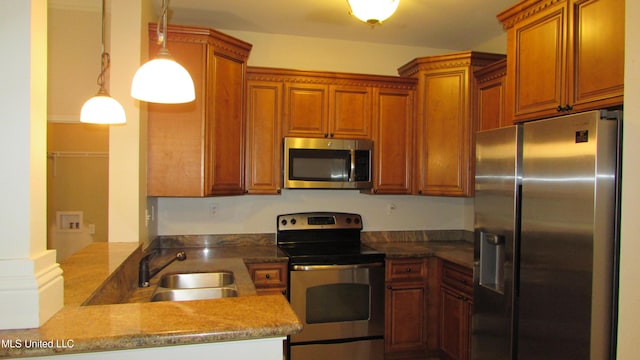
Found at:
<point>283,222</point>
<point>293,221</point>
<point>356,220</point>
<point>348,220</point>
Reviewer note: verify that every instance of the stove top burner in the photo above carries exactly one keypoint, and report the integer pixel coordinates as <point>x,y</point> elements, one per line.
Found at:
<point>324,238</point>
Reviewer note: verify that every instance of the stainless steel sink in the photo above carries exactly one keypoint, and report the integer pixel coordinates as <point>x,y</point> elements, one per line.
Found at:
<point>194,294</point>
<point>197,280</point>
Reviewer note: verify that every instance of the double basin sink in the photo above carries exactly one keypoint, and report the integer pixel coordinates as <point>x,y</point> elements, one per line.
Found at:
<point>195,286</point>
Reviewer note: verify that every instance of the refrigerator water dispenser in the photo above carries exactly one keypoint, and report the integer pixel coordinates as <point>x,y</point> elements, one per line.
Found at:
<point>492,259</point>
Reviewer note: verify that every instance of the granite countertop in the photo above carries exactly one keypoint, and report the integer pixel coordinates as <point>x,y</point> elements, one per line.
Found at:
<point>459,252</point>
<point>144,324</point>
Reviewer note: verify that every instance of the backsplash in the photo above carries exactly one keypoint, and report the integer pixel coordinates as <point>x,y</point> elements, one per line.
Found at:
<point>253,214</point>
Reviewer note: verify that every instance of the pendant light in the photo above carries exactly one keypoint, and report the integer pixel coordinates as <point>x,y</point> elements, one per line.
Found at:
<point>102,108</point>
<point>162,80</point>
<point>373,12</point>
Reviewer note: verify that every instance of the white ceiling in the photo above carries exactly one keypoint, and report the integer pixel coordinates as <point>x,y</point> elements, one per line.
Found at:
<point>443,24</point>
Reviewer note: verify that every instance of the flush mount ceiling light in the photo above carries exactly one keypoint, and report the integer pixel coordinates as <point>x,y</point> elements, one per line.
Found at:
<point>373,12</point>
<point>102,108</point>
<point>163,80</point>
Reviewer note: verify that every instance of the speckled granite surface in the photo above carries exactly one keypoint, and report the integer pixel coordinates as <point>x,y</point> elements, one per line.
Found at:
<point>452,245</point>
<point>99,268</point>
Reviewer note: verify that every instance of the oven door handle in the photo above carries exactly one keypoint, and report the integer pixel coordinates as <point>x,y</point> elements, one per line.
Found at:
<point>336,267</point>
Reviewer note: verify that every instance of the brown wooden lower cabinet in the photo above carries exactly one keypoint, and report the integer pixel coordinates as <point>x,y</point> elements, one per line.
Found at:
<point>269,278</point>
<point>406,309</point>
<point>456,306</point>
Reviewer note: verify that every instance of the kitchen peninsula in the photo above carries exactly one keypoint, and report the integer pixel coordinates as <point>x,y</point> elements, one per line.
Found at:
<point>245,324</point>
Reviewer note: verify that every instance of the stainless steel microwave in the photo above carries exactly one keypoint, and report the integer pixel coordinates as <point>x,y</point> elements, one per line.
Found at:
<point>311,163</point>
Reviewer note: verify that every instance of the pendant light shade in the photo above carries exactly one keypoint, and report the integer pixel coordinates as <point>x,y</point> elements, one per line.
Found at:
<point>102,108</point>
<point>373,12</point>
<point>162,79</point>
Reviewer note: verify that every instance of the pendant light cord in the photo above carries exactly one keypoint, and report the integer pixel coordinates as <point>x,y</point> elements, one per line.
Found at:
<point>105,61</point>
<point>163,22</point>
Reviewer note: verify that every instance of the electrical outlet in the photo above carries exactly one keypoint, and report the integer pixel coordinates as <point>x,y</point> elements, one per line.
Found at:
<point>213,209</point>
<point>391,208</point>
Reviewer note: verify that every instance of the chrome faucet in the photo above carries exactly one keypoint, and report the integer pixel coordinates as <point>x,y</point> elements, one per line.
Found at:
<point>145,275</point>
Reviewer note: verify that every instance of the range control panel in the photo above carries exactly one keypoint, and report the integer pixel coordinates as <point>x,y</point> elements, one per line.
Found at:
<point>319,220</point>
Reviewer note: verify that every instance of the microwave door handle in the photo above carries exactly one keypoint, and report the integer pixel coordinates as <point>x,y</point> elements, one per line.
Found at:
<point>352,172</point>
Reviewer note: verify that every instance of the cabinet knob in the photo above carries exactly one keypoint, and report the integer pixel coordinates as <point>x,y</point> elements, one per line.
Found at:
<point>408,269</point>
<point>567,107</point>
<point>389,287</point>
<point>268,276</point>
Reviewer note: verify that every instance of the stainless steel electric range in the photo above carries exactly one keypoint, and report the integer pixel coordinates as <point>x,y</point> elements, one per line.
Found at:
<point>336,286</point>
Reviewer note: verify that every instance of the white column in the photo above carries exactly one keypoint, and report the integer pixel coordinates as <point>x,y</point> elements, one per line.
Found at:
<point>629,311</point>
<point>127,143</point>
<point>31,286</point>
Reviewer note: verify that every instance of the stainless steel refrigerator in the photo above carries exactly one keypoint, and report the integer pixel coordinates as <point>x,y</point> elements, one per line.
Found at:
<point>546,239</point>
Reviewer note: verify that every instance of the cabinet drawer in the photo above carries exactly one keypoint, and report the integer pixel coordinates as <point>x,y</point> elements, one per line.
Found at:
<point>268,274</point>
<point>457,277</point>
<point>407,269</point>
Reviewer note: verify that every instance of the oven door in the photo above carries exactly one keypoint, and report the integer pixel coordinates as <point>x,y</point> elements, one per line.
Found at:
<point>338,304</point>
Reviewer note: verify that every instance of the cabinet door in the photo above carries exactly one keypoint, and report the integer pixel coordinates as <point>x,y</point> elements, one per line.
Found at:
<point>225,126</point>
<point>597,55</point>
<point>492,95</point>
<point>264,140</point>
<point>393,141</point>
<point>444,130</point>
<point>306,110</point>
<point>176,147</point>
<point>536,68</point>
<point>454,324</point>
<point>406,317</point>
<point>349,112</point>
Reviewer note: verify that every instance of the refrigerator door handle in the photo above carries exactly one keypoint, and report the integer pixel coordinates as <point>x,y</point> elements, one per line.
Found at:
<point>492,261</point>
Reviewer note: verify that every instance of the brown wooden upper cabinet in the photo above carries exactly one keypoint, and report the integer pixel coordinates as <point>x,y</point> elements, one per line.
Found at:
<point>283,102</point>
<point>491,95</point>
<point>263,173</point>
<point>564,56</point>
<point>325,110</point>
<point>393,139</point>
<point>445,121</point>
<point>197,149</point>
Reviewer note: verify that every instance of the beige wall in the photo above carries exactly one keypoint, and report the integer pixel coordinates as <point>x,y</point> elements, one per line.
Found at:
<point>77,165</point>
<point>73,60</point>
<point>305,53</point>
<point>77,180</point>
